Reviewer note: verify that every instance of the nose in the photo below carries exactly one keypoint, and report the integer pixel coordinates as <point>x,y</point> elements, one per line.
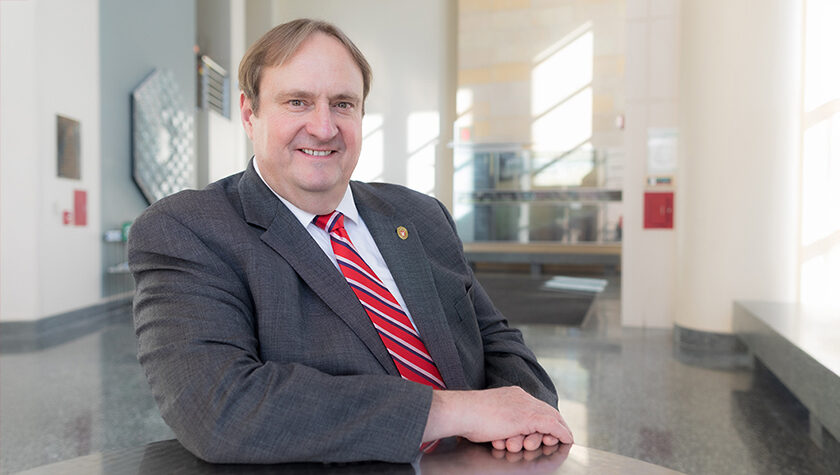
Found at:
<point>320,123</point>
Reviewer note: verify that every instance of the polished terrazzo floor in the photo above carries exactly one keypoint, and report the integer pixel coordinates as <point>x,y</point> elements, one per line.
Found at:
<point>622,390</point>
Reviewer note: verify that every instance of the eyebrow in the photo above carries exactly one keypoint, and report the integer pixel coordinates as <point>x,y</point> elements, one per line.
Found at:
<point>346,97</point>
<point>283,95</point>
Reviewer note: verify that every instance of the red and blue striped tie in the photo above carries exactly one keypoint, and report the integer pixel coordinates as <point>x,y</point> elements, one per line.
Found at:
<point>393,325</point>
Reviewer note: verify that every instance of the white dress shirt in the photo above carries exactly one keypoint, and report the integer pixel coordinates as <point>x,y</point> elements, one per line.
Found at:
<point>359,235</point>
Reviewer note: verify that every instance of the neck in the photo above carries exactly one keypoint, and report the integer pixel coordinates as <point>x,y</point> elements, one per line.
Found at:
<point>317,203</point>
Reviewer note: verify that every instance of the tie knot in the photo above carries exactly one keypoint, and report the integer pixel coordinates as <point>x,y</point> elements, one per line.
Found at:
<point>330,222</point>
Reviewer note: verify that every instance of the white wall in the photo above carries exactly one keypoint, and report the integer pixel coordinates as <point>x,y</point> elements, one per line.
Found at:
<point>49,61</point>
<point>20,165</point>
<point>410,109</point>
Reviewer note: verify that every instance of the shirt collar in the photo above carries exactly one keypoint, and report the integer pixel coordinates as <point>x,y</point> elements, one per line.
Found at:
<point>347,206</point>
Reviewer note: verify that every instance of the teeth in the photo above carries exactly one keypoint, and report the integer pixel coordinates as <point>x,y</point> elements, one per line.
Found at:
<point>317,153</point>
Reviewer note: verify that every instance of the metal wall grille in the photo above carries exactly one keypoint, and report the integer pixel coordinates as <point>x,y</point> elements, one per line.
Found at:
<point>213,86</point>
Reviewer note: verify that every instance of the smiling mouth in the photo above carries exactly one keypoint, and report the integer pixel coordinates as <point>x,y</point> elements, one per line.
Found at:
<point>316,153</point>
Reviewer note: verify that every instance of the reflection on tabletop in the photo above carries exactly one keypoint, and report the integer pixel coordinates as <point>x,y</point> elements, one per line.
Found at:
<point>452,456</point>
<point>456,455</point>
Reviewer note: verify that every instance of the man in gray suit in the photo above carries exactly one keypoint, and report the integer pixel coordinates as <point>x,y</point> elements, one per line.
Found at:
<point>259,345</point>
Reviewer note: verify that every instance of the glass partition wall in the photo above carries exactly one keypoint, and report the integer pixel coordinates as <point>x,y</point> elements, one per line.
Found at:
<point>507,193</point>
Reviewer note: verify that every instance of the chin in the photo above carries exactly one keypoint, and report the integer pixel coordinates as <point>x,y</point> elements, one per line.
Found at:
<point>324,186</point>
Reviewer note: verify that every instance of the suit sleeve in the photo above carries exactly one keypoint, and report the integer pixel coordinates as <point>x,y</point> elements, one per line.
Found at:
<point>198,346</point>
<point>507,360</point>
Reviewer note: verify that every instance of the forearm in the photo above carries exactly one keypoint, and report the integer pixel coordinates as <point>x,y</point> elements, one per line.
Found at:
<point>298,417</point>
<point>225,404</point>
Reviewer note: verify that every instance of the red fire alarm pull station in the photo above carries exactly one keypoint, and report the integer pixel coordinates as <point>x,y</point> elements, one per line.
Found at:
<point>659,210</point>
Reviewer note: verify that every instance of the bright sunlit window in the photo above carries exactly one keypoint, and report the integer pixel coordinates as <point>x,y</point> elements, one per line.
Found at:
<point>562,70</point>
<point>423,132</point>
<point>371,166</point>
<point>820,230</point>
<point>561,99</point>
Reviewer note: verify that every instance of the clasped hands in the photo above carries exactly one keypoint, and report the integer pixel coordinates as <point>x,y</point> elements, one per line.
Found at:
<point>508,417</point>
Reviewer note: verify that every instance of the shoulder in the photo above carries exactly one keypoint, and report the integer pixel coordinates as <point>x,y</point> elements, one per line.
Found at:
<point>397,200</point>
<point>218,201</point>
<point>397,196</point>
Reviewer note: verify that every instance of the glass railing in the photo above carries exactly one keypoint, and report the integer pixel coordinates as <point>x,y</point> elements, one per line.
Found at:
<point>508,193</point>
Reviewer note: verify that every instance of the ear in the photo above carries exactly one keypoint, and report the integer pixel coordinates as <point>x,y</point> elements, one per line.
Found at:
<point>246,113</point>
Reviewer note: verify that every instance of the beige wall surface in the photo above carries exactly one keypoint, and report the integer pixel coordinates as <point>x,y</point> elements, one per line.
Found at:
<point>543,72</point>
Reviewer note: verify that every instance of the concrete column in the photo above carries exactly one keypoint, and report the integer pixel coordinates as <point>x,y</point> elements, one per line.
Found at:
<point>737,188</point>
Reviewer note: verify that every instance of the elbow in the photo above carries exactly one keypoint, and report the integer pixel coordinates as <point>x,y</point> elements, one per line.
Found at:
<point>198,432</point>
<point>208,446</point>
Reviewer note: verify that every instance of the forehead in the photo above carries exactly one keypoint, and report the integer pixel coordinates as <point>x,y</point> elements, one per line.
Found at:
<point>320,62</point>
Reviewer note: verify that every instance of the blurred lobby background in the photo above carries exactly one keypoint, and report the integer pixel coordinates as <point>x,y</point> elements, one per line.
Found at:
<point>674,165</point>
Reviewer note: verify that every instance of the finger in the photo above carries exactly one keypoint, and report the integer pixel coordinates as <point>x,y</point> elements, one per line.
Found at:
<point>563,422</point>
<point>564,435</point>
<point>532,441</point>
<point>559,432</point>
<point>549,440</point>
<point>499,444</point>
<point>554,425</point>
<point>514,444</point>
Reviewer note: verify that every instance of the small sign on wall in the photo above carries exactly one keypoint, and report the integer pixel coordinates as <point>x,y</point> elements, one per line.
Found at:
<point>662,151</point>
<point>68,147</point>
<point>654,180</point>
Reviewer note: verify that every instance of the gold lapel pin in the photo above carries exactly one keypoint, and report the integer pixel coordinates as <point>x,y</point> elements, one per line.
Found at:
<point>402,232</point>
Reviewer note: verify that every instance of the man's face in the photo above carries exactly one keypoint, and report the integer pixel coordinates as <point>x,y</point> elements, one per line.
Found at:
<point>307,133</point>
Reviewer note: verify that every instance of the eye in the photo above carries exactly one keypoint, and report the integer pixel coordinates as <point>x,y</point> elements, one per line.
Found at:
<point>296,103</point>
<point>344,105</point>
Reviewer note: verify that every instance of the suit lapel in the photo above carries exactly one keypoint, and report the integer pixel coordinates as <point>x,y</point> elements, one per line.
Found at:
<point>285,235</point>
<point>410,268</point>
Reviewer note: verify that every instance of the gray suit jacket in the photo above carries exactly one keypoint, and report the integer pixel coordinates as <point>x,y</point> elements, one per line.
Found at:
<point>257,351</point>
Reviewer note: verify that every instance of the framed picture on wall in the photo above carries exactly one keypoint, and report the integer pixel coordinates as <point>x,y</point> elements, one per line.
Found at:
<point>68,146</point>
